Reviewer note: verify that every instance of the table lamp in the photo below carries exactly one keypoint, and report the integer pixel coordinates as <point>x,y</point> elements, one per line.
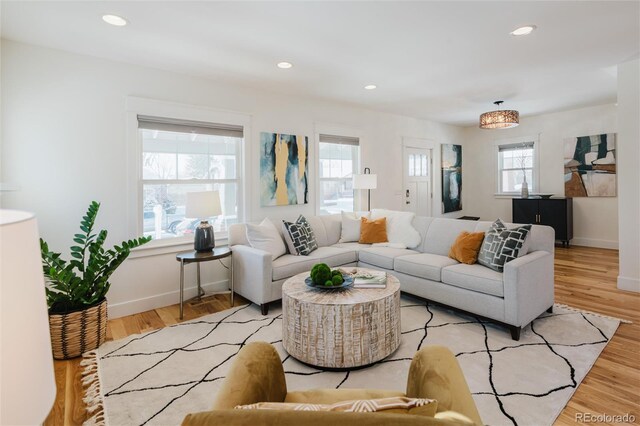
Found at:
<point>366,181</point>
<point>27,388</point>
<point>203,205</point>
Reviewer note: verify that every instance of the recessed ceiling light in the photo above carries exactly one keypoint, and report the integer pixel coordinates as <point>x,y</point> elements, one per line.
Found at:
<point>116,20</point>
<point>527,29</point>
<point>285,65</point>
<point>370,86</point>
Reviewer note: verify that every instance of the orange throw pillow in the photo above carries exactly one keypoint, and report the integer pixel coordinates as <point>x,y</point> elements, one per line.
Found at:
<point>466,247</point>
<point>373,231</point>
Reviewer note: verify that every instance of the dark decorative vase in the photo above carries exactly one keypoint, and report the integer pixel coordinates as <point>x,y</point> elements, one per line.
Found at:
<point>204,240</point>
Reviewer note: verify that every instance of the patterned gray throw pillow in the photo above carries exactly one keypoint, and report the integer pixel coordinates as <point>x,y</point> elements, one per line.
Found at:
<point>501,245</point>
<point>311,236</point>
<point>299,236</point>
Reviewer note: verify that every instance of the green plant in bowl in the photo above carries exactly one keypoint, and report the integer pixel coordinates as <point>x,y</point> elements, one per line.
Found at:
<point>337,280</point>
<point>321,274</point>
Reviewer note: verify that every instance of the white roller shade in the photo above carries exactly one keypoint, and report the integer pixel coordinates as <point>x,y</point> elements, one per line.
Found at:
<point>342,140</point>
<point>516,146</point>
<point>186,126</point>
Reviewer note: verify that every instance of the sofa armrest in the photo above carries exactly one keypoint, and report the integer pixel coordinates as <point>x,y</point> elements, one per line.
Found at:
<point>252,273</point>
<point>436,374</point>
<point>255,376</point>
<point>528,287</point>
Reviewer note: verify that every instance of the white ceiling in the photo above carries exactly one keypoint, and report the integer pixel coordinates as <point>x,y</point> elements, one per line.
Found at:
<point>446,61</point>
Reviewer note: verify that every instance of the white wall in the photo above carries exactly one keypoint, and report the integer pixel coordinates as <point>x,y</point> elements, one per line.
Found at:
<point>628,174</point>
<point>64,144</point>
<point>595,219</point>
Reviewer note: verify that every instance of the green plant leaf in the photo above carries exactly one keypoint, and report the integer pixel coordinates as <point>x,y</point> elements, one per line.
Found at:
<point>84,280</point>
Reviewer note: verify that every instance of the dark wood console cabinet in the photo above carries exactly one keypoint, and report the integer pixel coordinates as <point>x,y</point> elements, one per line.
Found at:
<point>554,212</point>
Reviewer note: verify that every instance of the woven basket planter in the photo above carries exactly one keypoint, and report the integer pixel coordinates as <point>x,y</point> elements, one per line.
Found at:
<point>77,332</point>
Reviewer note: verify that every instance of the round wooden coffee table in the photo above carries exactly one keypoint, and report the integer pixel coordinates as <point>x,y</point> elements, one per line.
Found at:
<point>344,328</point>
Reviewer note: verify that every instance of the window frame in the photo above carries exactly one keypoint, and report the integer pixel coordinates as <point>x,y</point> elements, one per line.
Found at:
<point>338,130</point>
<point>147,107</point>
<point>534,185</point>
<point>355,170</point>
<point>209,181</point>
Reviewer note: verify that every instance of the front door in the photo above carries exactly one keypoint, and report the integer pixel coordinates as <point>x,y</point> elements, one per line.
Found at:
<point>417,180</point>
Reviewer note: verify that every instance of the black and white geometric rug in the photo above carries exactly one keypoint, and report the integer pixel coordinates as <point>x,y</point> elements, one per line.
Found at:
<point>159,377</point>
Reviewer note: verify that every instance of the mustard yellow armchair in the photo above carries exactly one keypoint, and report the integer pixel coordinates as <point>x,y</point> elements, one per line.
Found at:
<point>257,376</point>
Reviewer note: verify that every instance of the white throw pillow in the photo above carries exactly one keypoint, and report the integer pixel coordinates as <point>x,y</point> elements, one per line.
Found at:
<point>399,227</point>
<point>266,237</point>
<point>351,226</point>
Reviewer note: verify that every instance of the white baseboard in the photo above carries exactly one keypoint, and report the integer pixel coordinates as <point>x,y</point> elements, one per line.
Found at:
<point>593,242</point>
<point>629,284</point>
<point>131,307</point>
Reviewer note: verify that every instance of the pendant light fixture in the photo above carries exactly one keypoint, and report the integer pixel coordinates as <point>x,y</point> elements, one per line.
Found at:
<point>499,119</point>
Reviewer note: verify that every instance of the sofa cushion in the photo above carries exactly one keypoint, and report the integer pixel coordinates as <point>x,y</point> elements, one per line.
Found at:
<point>421,224</point>
<point>443,232</point>
<point>290,265</point>
<point>332,225</point>
<point>423,265</point>
<point>352,246</point>
<point>330,396</point>
<point>382,257</point>
<point>319,230</point>
<point>474,277</point>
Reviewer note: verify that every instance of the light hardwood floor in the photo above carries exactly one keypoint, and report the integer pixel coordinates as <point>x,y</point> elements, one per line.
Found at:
<point>585,278</point>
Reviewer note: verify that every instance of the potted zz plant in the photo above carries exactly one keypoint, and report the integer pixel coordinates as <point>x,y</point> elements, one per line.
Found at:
<point>77,289</point>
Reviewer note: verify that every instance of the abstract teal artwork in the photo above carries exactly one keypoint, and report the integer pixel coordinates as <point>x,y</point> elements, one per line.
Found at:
<point>284,161</point>
<point>451,178</point>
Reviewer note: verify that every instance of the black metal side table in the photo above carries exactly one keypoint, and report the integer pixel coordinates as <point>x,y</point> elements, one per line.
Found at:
<point>198,257</point>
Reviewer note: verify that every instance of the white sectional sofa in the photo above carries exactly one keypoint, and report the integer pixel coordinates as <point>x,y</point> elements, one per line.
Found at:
<point>515,297</point>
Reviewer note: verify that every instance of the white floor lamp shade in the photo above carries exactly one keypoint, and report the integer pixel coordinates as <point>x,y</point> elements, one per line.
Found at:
<point>27,385</point>
<point>366,181</point>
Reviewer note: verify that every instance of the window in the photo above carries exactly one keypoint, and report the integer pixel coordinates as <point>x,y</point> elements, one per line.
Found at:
<point>516,160</point>
<point>180,156</point>
<point>338,160</point>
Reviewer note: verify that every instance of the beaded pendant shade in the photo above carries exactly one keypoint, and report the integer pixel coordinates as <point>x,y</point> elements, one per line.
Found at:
<point>499,119</point>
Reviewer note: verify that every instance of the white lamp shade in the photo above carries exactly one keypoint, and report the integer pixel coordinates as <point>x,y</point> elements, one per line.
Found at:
<point>27,388</point>
<point>203,204</point>
<point>365,181</point>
